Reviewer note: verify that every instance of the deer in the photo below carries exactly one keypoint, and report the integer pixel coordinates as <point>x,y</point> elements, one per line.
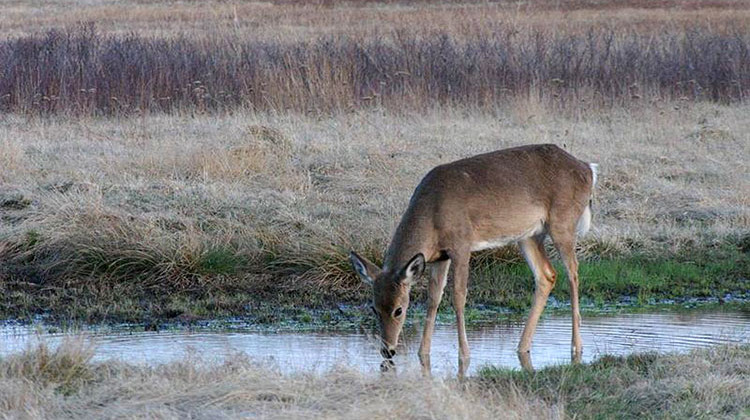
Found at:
<point>517,195</point>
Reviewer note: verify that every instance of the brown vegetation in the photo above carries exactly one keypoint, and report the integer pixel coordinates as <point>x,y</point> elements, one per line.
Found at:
<point>82,72</point>
<point>44,383</point>
<point>108,58</point>
<point>295,133</point>
<point>154,206</point>
<point>300,20</point>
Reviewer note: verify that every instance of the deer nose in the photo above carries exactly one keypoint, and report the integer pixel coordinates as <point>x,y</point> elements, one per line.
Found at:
<point>387,353</point>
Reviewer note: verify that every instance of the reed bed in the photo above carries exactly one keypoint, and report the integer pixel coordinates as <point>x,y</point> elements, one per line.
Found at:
<point>84,72</point>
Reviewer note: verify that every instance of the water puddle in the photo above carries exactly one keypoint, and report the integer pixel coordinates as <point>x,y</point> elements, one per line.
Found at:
<point>490,344</point>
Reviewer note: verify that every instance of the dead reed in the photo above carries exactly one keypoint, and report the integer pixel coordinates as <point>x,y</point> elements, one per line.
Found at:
<point>84,72</point>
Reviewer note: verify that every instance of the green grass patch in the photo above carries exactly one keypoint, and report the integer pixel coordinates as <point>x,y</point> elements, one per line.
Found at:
<point>650,279</point>
<point>640,386</point>
<point>220,260</point>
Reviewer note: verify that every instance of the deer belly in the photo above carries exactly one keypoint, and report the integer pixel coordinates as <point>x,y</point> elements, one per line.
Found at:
<point>501,241</point>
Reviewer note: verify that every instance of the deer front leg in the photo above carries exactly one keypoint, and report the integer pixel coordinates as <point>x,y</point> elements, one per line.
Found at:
<point>437,284</point>
<point>460,284</point>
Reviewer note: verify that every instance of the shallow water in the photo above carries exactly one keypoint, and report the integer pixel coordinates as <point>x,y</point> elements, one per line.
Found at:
<point>490,344</point>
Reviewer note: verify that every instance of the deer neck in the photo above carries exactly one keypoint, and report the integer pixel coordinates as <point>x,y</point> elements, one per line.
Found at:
<point>412,236</point>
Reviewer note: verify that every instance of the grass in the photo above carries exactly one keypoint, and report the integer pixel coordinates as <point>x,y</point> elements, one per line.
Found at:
<point>175,161</point>
<point>64,370</point>
<point>221,290</point>
<point>61,58</point>
<point>169,217</point>
<point>254,145</point>
<point>84,73</point>
<point>296,20</point>
<point>650,279</point>
<point>705,384</point>
<point>44,383</point>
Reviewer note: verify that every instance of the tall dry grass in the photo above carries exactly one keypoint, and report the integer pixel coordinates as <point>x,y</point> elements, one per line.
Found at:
<point>83,72</point>
<point>294,21</point>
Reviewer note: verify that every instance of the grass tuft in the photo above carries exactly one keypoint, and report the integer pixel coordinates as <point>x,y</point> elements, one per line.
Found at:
<point>66,368</point>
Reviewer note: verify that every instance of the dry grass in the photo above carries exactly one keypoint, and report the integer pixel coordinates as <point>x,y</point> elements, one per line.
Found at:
<point>709,383</point>
<point>62,370</point>
<point>238,388</point>
<point>81,72</point>
<point>295,20</point>
<point>271,193</point>
<point>181,199</point>
<point>223,55</point>
<point>705,383</point>
<point>130,211</point>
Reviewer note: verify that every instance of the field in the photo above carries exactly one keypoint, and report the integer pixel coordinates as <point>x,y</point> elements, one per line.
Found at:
<point>164,162</point>
<point>191,216</point>
<point>177,161</point>
<point>318,61</point>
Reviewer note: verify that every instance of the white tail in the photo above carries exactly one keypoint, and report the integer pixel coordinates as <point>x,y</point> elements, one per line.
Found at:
<point>584,222</point>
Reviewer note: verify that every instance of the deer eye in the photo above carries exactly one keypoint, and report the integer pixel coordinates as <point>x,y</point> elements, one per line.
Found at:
<point>397,312</point>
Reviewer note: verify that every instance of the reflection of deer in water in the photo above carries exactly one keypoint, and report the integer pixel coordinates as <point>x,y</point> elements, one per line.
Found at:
<point>516,195</point>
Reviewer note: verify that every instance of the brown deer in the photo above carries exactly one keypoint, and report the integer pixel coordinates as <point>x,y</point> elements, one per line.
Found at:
<point>520,195</point>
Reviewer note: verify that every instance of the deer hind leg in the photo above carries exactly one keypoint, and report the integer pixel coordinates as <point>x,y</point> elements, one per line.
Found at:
<point>460,287</point>
<point>439,272</point>
<point>566,246</point>
<point>544,277</point>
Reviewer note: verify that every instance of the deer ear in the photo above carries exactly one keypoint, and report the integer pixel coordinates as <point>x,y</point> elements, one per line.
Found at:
<point>366,270</point>
<point>412,269</point>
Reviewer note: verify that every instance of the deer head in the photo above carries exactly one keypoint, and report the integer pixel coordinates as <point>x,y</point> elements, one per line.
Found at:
<point>390,296</point>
